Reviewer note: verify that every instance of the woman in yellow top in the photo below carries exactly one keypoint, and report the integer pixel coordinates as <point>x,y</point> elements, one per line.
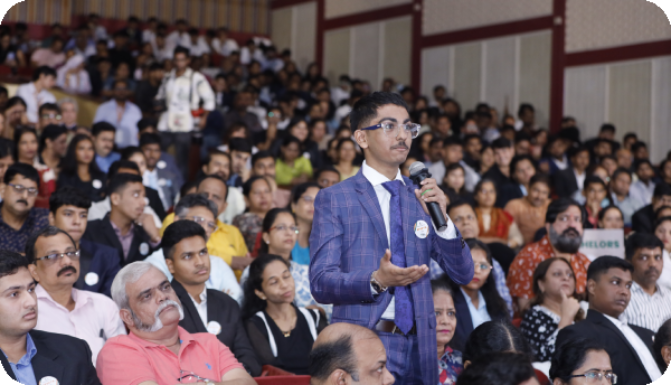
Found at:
<point>346,152</point>
<point>292,168</point>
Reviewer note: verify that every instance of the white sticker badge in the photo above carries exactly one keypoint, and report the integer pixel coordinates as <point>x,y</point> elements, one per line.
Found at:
<point>161,164</point>
<point>91,278</point>
<point>144,248</point>
<point>421,229</point>
<point>48,380</point>
<point>213,327</point>
<point>97,184</point>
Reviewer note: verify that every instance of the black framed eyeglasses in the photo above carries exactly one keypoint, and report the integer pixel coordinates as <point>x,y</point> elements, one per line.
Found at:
<point>596,376</point>
<point>392,127</point>
<point>32,191</point>
<point>187,377</point>
<point>52,258</point>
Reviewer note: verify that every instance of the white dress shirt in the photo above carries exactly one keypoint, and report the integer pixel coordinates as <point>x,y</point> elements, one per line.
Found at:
<point>384,199</point>
<point>34,99</point>
<point>580,179</point>
<point>648,311</point>
<point>479,315</point>
<point>202,306</point>
<point>639,346</point>
<point>642,192</point>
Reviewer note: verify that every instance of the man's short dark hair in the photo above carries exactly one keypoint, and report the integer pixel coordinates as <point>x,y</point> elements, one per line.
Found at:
<point>212,153</point>
<point>122,163</point>
<point>146,122</point>
<point>99,127</point>
<point>261,155</point>
<point>640,240</point>
<point>459,203</point>
<point>240,145</point>
<point>558,206</point>
<point>630,135</point>
<point>6,148</point>
<point>217,177</point>
<point>519,158</point>
<point>48,231</point>
<point>636,146</point>
<point>573,152</point>
<point>68,196</point>
<point>365,109</point>
<point>330,356</point>
<point>43,70</point>
<point>540,177</point>
<point>661,189</point>
<point>176,232</point>
<point>501,143</point>
<point>570,356</point>
<point>49,107</point>
<point>602,264</point>
<point>619,171</point>
<point>194,200</point>
<point>525,107</point>
<point>607,127</point>
<point>593,179</point>
<point>11,262</point>
<point>181,49</point>
<point>25,170</point>
<point>642,162</point>
<point>119,181</point>
<point>149,138</point>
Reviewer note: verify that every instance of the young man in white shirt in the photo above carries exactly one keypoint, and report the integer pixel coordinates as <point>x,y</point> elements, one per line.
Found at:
<point>37,92</point>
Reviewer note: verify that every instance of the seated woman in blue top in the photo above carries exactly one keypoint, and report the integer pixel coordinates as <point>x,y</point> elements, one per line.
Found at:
<point>303,206</point>
<point>478,301</point>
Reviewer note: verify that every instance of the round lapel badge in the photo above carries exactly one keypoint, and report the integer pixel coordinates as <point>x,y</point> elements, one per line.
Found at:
<point>97,184</point>
<point>48,380</point>
<point>91,278</point>
<point>144,248</point>
<point>161,164</point>
<point>421,229</point>
<point>213,327</point>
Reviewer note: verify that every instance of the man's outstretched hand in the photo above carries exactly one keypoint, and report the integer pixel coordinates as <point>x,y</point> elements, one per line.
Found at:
<point>391,275</point>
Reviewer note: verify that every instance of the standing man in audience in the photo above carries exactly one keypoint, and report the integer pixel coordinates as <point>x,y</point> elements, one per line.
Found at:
<point>239,114</point>
<point>103,142</point>
<point>644,187</point>
<point>205,310</point>
<point>650,303</point>
<point>122,114</point>
<point>157,177</point>
<point>529,212</point>
<point>183,91</point>
<point>62,308</point>
<point>157,350</point>
<point>500,173</point>
<point>118,228</point>
<point>629,347</point>
<point>68,210</point>
<point>620,183</point>
<point>18,215</point>
<point>218,163</point>
<point>36,93</point>
<point>32,356</point>
<point>642,221</point>
<point>571,179</point>
<point>563,223</point>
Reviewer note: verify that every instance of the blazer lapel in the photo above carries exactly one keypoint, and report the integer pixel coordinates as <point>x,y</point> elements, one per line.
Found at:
<point>109,233</point>
<point>44,362</point>
<point>599,318</point>
<point>5,364</point>
<point>368,199</point>
<point>191,315</point>
<point>84,267</point>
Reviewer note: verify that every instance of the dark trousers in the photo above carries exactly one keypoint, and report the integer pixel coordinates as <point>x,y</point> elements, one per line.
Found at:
<point>403,358</point>
<point>182,143</point>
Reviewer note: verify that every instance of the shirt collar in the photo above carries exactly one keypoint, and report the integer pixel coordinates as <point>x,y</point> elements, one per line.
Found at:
<point>80,297</point>
<point>202,296</point>
<point>482,304</point>
<point>635,287</point>
<point>117,231</point>
<point>615,321</point>
<point>375,177</point>
<point>31,350</point>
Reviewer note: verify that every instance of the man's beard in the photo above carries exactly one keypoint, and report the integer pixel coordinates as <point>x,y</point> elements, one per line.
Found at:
<point>157,325</point>
<point>564,243</point>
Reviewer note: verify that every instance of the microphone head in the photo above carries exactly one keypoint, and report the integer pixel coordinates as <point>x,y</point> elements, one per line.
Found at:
<point>416,168</point>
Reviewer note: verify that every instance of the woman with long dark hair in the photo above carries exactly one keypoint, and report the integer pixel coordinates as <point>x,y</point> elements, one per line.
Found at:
<point>26,144</point>
<point>496,225</point>
<point>258,199</point>
<point>79,169</point>
<point>454,184</point>
<point>281,332</point>
<point>346,154</point>
<point>303,206</point>
<point>291,167</point>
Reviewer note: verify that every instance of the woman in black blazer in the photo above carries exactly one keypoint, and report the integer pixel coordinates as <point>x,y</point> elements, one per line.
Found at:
<point>79,169</point>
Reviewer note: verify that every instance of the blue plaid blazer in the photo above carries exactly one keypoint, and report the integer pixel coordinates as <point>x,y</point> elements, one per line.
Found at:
<point>348,240</point>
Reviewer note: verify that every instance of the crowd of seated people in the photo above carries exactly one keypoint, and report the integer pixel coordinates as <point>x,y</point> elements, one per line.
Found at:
<point>171,218</point>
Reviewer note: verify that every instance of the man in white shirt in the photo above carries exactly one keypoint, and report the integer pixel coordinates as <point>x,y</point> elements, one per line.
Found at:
<point>609,282</point>
<point>180,36</point>
<point>63,309</point>
<point>37,92</point>
<point>122,114</point>
<point>222,44</point>
<point>644,188</point>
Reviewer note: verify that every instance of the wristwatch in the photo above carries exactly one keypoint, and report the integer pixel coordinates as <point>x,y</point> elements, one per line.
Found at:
<point>377,287</point>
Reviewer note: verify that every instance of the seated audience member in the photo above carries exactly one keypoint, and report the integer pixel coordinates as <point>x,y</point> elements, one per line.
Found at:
<point>219,163</point>
<point>68,209</point>
<point>31,355</point>
<point>72,77</point>
<point>292,167</point>
<point>644,187</point>
<point>258,198</point>
<point>453,152</point>
<point>148,126</point>
<point>303,207</point>
<point>159,178</point>
<point>53,56</point>
<point>118,228</point>
<point>37,92</point>
<point>205,310</point>
<point>298,128</point>
<point>596,193</point>
<point>348,353</point>
<point>522,169</point>
<point>134,162</point>
<point>157,350</point>
<point>650,303</point>
<point>529,212</point>
<point>494,337</point>
<point>505,368</point>
<point>52,146</point>
<point>496,225</point>
<point>501,173</point>
<point>486,159</point>
<point>123,114</point>
<point>226,241</point>
<point>454,184</point>
<point>582,361</point>
<point>663,232</point>
<point>563,223</point>
<point>346,154</point>
<point>609,280</point>
<point>103,143</point>
<point>6,159</point>
<point>620,184</point>
<point>478,301</point>
<point>571,179</point>
<point>450,362</point>
<point>18,216</point>
<point>281,333</point>
<point>48,113</point>
<point>661,348</point>
<point>643,220</point>
<point>26,143</point>
<point>263,164</point>
<point>610,217</point>
<point>79,169</point>
<point>62,308</point>
<point>554,307</point>
<point>327,177</point>
<point>241,152</point>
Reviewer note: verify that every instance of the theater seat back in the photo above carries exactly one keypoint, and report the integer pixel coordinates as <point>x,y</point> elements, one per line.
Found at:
<point>283,380</point>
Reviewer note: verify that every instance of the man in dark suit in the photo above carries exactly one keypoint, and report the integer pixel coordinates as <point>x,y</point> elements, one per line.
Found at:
<point>205,310</point>
<point>158,176</point>
<point>133,241</point>
<point>609,280</point>
<point>127,166</point>
<point>522,169</point>
<point>32,356</point>
<point>571,179</point>
<point>643,220</point>
<point>68,209</point>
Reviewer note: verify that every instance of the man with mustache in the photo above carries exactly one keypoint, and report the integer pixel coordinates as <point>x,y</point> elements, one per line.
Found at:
<point>650,303</point>
<point>18,215</point>
<point>609,283</point>
<point>122,114</point>
<point>63,309</point>
<point>157,350</point>
<point>32,356</point>
<point>563,222</point>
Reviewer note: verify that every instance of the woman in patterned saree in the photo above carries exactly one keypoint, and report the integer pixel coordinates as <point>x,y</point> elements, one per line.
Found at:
<point>450,362</point>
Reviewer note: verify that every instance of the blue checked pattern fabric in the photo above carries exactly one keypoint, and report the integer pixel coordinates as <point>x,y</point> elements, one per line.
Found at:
<point>404,312</point>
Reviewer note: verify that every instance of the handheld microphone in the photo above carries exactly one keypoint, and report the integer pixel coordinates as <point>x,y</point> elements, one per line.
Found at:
<point>419,172</point>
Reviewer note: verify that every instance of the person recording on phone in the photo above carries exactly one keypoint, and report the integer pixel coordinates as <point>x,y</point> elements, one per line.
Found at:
<point>372,238</point>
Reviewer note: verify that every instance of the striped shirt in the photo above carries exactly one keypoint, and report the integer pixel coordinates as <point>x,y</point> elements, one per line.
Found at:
<point>648,311</point>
